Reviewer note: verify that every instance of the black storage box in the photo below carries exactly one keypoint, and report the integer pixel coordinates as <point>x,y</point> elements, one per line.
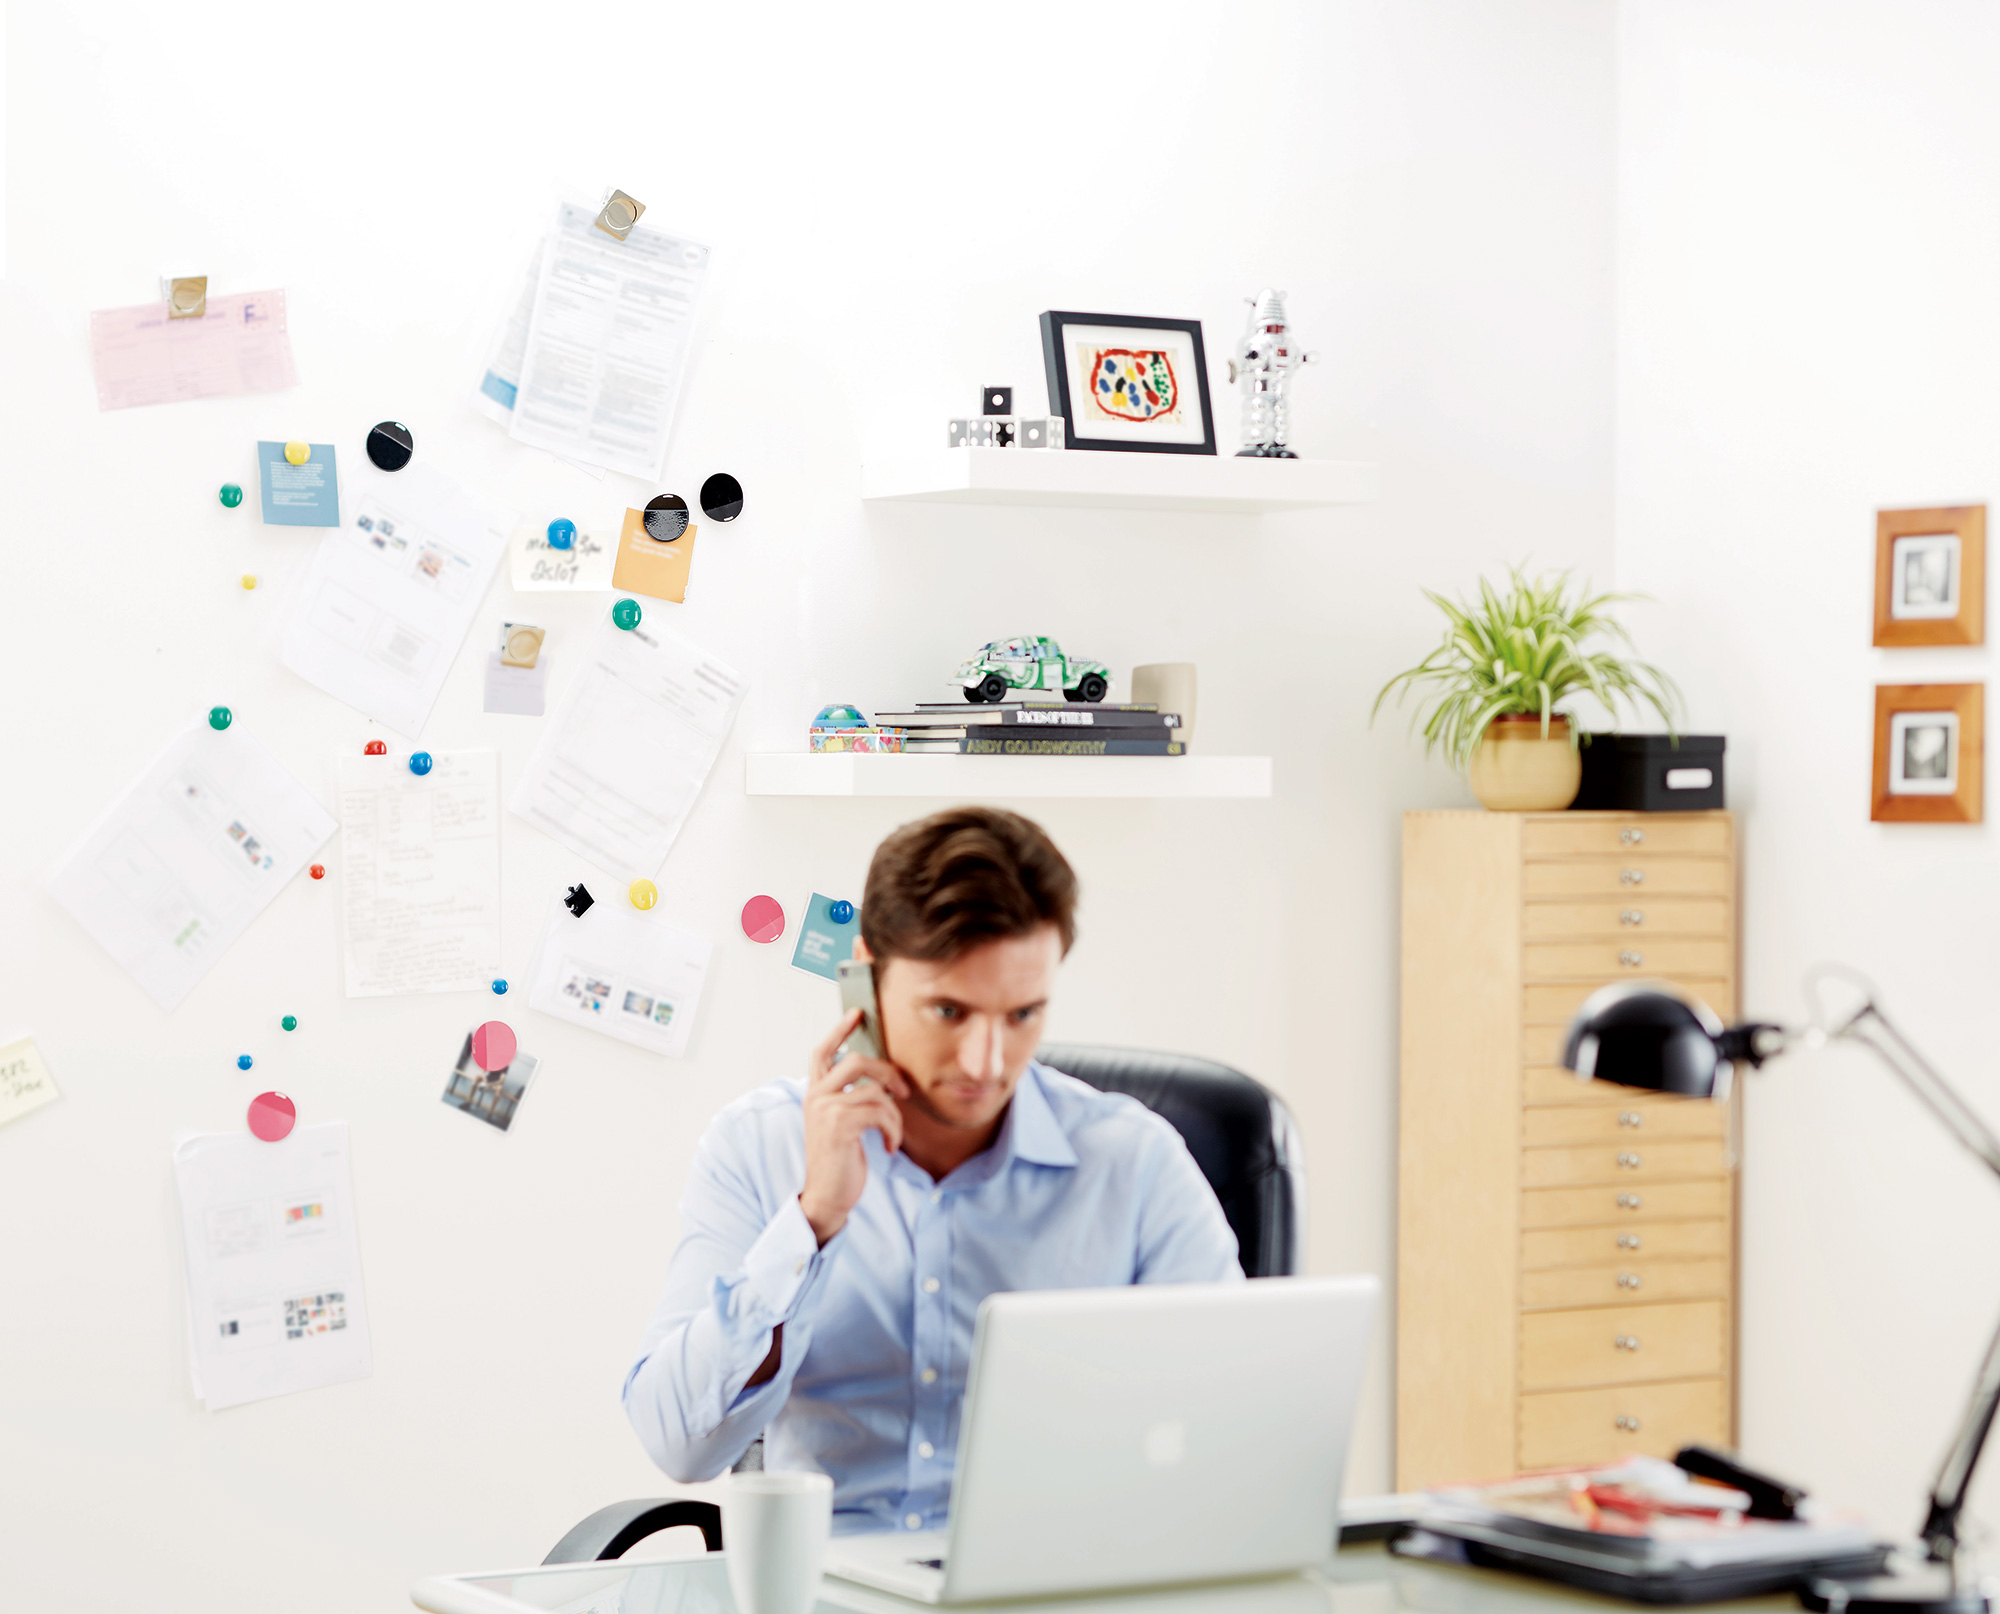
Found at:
<point>1648,773</point>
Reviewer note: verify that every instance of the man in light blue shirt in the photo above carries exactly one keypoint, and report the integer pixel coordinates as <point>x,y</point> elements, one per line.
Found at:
<point>839,1233</point>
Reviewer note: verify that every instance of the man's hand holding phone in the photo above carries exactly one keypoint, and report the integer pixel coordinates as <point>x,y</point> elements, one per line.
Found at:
<point>844,1098</point>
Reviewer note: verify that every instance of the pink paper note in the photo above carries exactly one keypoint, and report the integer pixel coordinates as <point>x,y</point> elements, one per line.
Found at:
<point>240,345</point>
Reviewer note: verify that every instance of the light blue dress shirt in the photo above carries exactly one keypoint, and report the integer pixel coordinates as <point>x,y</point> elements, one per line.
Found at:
<point>1081,1189</point>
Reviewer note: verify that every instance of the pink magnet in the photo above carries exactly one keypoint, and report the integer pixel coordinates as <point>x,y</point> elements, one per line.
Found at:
<point>493,1045</point>
<point>271,1116</point>
<point>763,919</point>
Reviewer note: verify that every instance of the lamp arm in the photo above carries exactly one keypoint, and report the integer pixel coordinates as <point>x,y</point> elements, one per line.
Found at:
<point>1872,1029</point>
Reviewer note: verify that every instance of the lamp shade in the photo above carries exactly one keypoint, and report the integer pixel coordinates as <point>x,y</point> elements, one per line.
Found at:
<point>1647,1035</point>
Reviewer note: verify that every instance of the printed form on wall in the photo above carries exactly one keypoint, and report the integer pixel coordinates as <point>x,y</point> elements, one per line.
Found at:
<point>623,758</point>
<point>607,343</point>
<point>273,1264</point>
<point>186,858</point>
<point>143,356</point>
<point>391,594</point>
<point>624,973</point>
<point>420,873</point>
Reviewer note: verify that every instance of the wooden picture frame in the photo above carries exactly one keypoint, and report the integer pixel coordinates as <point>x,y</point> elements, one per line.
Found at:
<point>1930,576</point>
<point>1930,754</point>
<point>1131,348</point>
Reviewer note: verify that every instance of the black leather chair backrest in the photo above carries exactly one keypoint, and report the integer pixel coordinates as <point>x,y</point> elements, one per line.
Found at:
<point>1237,1129</point>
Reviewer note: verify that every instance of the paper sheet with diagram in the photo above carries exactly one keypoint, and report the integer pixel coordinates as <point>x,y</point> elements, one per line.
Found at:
<point>181,863</point>
<point>391,593</point>
<point>606,343</point>
<point>628,974</point>
<point>273,1261</point>
<point>624,755</point>
<point>420,873</point>
<point>240,345</point>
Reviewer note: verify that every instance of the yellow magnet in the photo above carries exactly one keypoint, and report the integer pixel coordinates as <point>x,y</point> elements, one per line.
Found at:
<point>297,452</point>
<point>249,579</point>
<point>643,893</point>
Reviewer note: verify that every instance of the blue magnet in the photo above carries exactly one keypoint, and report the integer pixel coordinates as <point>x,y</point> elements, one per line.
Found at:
<point>841,912</point>
<point>562,533</point>
<point>242,1061</point>
<point>499,989</point>
<point>420,762</point>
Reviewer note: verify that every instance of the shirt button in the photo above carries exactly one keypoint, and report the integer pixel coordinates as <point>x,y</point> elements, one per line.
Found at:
<point>930,1286</point>
<point>798,1266</point>
<point>936,1196</point>
<point>929,1375</point>
<point>913,1521</point>
<point>926,1449</point>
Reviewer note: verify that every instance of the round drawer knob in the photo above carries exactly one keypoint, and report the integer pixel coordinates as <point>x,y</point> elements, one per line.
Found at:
<point>1631,876</point>
<point>1628,1202</point>
<point>1628,1241</point>
<point>1632,916</point>
<point>1631,1118</point>
<point>1628,1280</point>
<point>1630,959</point>
<point>1626,1342</point>
<point>1628,1162</point>
<point>1631,837</point>
<point>1629,1425</point>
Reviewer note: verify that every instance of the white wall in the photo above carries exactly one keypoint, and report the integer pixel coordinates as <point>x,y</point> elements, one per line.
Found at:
<point>895,193</point>
<point>1807,332</point>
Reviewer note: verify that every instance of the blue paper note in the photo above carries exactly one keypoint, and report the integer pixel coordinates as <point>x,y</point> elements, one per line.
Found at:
<point>823,945</point>
<point>305,495</point>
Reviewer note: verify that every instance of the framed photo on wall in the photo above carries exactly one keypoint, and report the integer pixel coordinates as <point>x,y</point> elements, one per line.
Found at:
<point>1930,753</point>
<point>1121,381</point>
<point>1930,576</point>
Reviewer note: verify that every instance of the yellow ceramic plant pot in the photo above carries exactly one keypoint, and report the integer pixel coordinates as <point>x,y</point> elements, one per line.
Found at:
<point>1515,770</point>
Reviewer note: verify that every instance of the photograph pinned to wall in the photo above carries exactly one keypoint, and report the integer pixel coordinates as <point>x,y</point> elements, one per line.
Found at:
<point>1930,753</point>
<point>491,1095</point>
<point>1121,381</point>
<point>1930,576</point>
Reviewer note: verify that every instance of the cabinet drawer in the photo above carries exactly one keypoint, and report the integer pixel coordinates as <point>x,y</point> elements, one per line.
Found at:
<point>1545,1083</point>
<point>1568,1350</point>
<point>1566,1427</point>
<point>1633,1124</point>
<point>1599,1246</point>
<point>1629,877</point>
<point>1607,960</point>
<point>1613,1206</point>
<point>1550,1004</point>
<point>1638,917</point>
<point>1628,1163</point>
<point>1587,835</point>
<point>1629,1283</point>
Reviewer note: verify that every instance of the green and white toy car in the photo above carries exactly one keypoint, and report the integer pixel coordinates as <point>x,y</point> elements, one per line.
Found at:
<point>1030,662</point>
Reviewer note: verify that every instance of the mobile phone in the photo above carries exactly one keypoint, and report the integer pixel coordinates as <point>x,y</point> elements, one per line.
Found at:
<point>857,991</point>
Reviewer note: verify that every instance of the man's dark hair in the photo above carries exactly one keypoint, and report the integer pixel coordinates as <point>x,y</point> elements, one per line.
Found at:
<point>948,883</point>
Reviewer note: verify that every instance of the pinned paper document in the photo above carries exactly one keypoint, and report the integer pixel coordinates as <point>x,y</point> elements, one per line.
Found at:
<point>648,566</point>
<point>535,564</point>
<point>148,355</point>
<point>629,975</point>
<point>300,483</point>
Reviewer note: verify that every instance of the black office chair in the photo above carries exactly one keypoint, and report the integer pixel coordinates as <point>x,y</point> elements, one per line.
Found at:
<point>1240,1134</point>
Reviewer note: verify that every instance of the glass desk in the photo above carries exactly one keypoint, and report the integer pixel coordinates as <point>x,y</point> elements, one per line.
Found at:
<point>1358,1580</point>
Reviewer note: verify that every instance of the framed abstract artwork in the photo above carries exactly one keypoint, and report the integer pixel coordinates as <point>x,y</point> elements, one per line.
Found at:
<point>1930,576</point>
<point>1930,753</point>
<point>1123,382</point>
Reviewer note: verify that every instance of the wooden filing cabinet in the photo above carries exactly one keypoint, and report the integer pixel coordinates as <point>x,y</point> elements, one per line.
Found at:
<point>1566,1287</point>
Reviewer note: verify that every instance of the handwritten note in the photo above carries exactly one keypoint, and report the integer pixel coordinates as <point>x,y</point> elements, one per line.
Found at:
<point>536,564</point>
<point>240,345</point>
<point>420,896</point>
<point>24,1080</point>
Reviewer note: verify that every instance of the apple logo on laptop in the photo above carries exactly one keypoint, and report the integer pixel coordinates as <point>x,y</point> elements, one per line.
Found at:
<point>1166,1443</point>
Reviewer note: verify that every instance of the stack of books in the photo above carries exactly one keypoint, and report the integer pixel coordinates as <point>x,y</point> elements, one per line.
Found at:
<point>1038,729</point>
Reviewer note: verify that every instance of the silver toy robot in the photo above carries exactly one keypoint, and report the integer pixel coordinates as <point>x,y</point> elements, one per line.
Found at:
<point>1264,362</point>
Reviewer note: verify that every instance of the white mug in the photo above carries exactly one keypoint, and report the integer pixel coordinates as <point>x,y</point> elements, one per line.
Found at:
<point>774,1531</point>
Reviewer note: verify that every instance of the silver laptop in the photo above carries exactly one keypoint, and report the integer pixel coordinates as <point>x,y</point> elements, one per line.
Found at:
<point>1140,1437</point>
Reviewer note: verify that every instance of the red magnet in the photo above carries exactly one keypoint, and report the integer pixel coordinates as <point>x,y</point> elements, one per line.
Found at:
<point>493,1046</point>
<point>763,919</point>
<point>375,748</point>
<point>318,871</point>
<point>271,1116</point>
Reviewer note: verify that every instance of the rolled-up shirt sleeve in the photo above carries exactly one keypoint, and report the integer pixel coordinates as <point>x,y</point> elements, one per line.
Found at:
<point>747,1262</point>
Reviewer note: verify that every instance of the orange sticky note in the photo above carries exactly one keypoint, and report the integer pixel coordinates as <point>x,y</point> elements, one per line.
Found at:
<point>646,566</point>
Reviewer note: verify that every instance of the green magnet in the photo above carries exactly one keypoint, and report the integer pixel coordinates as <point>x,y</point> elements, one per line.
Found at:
<point>626,613</point>
<point>219,718</point>
<point>231,495</point>
<point>290,1022</point>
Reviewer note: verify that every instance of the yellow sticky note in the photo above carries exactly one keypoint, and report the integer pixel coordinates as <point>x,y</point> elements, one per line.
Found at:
<point>647,566</point>
<point>24,1080</point>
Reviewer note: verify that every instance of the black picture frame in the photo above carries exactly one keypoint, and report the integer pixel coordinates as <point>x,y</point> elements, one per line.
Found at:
<point>1060,402</point>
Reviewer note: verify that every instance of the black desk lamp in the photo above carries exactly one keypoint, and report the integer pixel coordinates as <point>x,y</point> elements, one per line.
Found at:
<point>1649,1036</point>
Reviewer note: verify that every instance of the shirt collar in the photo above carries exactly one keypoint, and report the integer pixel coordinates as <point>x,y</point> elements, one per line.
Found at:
<point>1031,1131</point>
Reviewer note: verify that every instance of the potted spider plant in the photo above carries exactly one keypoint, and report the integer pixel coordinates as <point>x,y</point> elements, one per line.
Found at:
<point>1491,691</point>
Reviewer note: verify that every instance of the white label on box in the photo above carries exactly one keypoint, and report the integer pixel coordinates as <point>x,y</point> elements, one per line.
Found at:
<point>1690,778</point>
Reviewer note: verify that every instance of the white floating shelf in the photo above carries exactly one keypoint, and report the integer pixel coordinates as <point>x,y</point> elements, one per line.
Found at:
<point>818,773</point>
<point>1097,479</point>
